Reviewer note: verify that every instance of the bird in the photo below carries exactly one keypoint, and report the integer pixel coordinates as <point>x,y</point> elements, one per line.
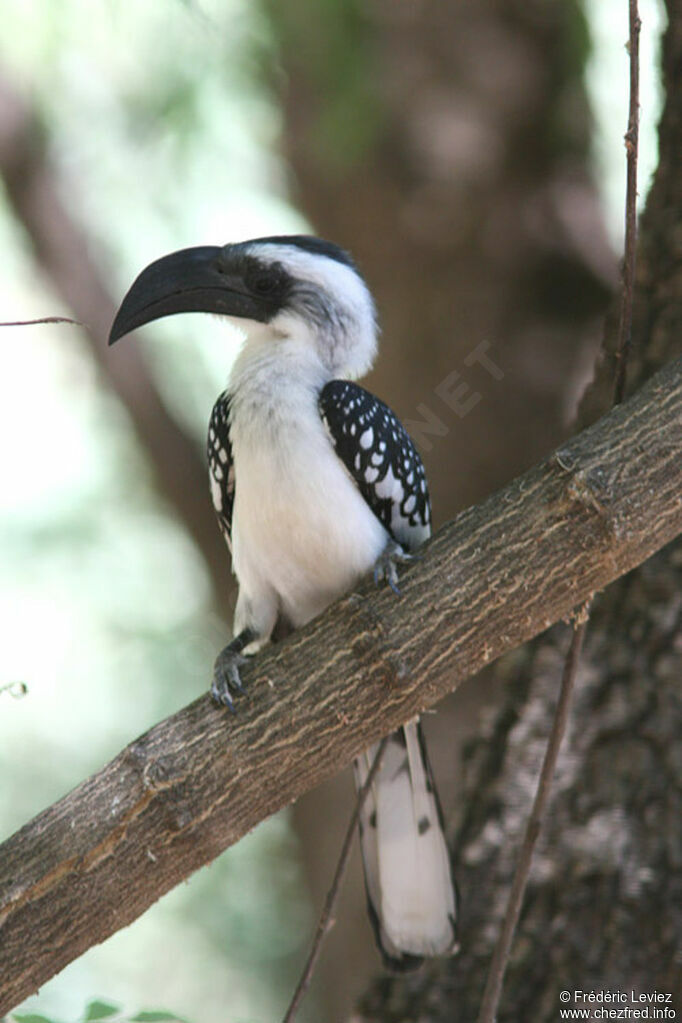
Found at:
<point>315,484</point>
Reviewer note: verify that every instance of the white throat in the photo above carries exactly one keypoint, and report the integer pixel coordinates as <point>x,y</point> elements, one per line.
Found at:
<point>274,381</point>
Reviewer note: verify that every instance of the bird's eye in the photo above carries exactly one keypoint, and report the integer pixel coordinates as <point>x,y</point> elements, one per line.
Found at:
<point>264,280</point>
<point>264,283</point>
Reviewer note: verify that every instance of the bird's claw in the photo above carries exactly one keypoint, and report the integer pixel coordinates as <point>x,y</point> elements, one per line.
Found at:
<point>226,675</point>
<point>385,567</point>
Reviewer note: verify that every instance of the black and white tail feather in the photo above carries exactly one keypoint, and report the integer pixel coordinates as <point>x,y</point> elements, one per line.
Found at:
<point>410,892</point>
<point>315,483</point>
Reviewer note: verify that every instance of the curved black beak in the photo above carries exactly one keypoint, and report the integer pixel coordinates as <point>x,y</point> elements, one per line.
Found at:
<point>193,280</point>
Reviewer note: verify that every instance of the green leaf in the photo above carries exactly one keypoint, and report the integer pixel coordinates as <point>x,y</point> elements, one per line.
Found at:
<point>30,1017</point>
<point>156,1017</point>
<point>100,1010</point>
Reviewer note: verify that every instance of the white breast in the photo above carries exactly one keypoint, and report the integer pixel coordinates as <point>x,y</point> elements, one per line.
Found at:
<point>301,529</point>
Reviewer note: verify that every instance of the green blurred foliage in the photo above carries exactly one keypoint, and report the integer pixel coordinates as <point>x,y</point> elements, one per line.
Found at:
<point>104,1010</point>
<point>161,137</point>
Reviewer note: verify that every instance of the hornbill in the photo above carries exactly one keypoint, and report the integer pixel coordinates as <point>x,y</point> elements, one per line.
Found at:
<point>315,482</point>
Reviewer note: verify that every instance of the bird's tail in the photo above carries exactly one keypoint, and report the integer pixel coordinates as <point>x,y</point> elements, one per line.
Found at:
<point>410,890</point>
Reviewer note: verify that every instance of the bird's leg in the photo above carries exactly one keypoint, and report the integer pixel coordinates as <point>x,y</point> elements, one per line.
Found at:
<point>226,669</point>
<point>386,567</point>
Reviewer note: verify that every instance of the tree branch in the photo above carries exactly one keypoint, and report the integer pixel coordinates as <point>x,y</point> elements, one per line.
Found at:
<point>498,575</point>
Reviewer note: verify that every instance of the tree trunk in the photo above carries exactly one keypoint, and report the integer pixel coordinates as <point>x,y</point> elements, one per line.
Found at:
<point>447,145</point>
<point>603,910</point>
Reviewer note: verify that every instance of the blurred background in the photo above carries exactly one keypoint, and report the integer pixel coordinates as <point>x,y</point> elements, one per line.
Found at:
<point>470,156</point>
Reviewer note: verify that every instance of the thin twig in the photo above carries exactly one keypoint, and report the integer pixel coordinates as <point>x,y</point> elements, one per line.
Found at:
<point>44,319</point>
<point>326,921</point>
<point>493,987</point>
<point>498,965</point>
<point>630,255</point>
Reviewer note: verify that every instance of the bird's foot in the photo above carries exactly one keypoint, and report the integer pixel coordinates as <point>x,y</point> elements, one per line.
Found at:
<point>227,665</point>
<point>226,675</point>
<point>386,565</point>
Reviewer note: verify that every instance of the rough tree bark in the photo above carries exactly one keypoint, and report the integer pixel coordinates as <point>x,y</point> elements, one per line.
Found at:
<point>604,908</point>
<point>499,574</point>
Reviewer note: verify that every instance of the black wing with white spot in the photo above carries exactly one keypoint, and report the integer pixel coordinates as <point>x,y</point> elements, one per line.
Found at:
<point>221,464</point>
<point>380,456</point>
